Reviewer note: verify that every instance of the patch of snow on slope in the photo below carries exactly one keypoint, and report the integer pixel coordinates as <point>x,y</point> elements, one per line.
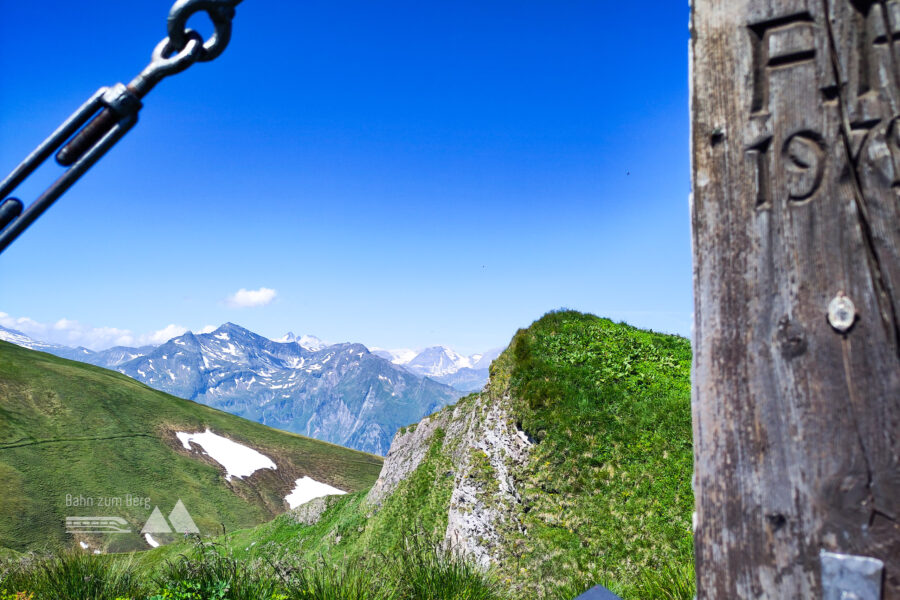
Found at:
<point>83,545</point>
<point>311,342</point>
<point>307,488</point>
<point>295,363</point>
<point>153,543</point>
<point>238,460</point>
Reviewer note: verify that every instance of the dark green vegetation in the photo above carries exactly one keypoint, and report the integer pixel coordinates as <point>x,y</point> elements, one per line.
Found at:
<point>208,572</point>
<point>68,428</point>
<point>606,494</point>
<point>69,576</point>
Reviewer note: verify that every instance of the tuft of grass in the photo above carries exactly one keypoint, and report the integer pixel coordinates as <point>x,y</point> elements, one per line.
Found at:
<point>671,581</point>
<point>346,580</point>
<point>71,576</point>
<point>434,571</point>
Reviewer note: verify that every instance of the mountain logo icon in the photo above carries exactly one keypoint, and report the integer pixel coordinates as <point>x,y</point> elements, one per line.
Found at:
<point>180,520</point>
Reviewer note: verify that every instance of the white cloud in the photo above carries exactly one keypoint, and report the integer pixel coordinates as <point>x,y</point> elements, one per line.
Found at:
<point>166,333</point>
<point>207,329</point>
<point>72,333</point>
<point>249,298</point>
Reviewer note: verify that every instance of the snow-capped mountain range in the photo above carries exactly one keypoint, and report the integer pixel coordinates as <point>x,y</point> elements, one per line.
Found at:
<point>109,358</point>
<point>341,393</point>
<point>310,342</point>
<point>465,373</point>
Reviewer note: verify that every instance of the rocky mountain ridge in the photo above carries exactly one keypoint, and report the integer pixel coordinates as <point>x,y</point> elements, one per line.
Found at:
<point>440,363</point>
<point>338,393</point>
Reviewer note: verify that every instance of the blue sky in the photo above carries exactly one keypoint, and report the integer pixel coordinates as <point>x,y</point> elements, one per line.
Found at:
<point>401,174</point>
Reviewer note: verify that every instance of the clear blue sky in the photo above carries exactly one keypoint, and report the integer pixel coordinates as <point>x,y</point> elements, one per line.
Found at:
<point>402,174</point>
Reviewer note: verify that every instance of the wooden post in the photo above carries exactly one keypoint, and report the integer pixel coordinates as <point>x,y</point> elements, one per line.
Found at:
<point>796,208</point>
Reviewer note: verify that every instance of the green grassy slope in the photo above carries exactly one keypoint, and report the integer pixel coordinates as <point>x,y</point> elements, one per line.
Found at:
<point>67,428</point>
<point>608,488</point>
<point>606,493</point>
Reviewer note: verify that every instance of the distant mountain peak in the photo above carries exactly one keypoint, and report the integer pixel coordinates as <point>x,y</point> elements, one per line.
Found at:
<point>443,364</point>
<point>310,342</point>
<point>230,327</point>
<point>398,357</point>
<point>437,361</point>
<point>14,336</point>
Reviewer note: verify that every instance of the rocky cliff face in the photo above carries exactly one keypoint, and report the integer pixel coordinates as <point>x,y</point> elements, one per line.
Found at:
<point>485,449</point>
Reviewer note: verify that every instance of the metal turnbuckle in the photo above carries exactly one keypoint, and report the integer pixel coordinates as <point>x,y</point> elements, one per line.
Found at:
<point>82,139</point>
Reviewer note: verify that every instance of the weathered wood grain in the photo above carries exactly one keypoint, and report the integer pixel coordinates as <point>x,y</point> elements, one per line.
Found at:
<point>796,199</point>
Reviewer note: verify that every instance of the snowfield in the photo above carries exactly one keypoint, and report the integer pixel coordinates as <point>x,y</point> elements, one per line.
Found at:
<point>307,488</point>
<point>238,460</point>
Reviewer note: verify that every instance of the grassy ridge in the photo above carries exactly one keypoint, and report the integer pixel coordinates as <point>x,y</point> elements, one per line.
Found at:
<point>67,428</point>
<point>608,485</point>
<point>606,493</point>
